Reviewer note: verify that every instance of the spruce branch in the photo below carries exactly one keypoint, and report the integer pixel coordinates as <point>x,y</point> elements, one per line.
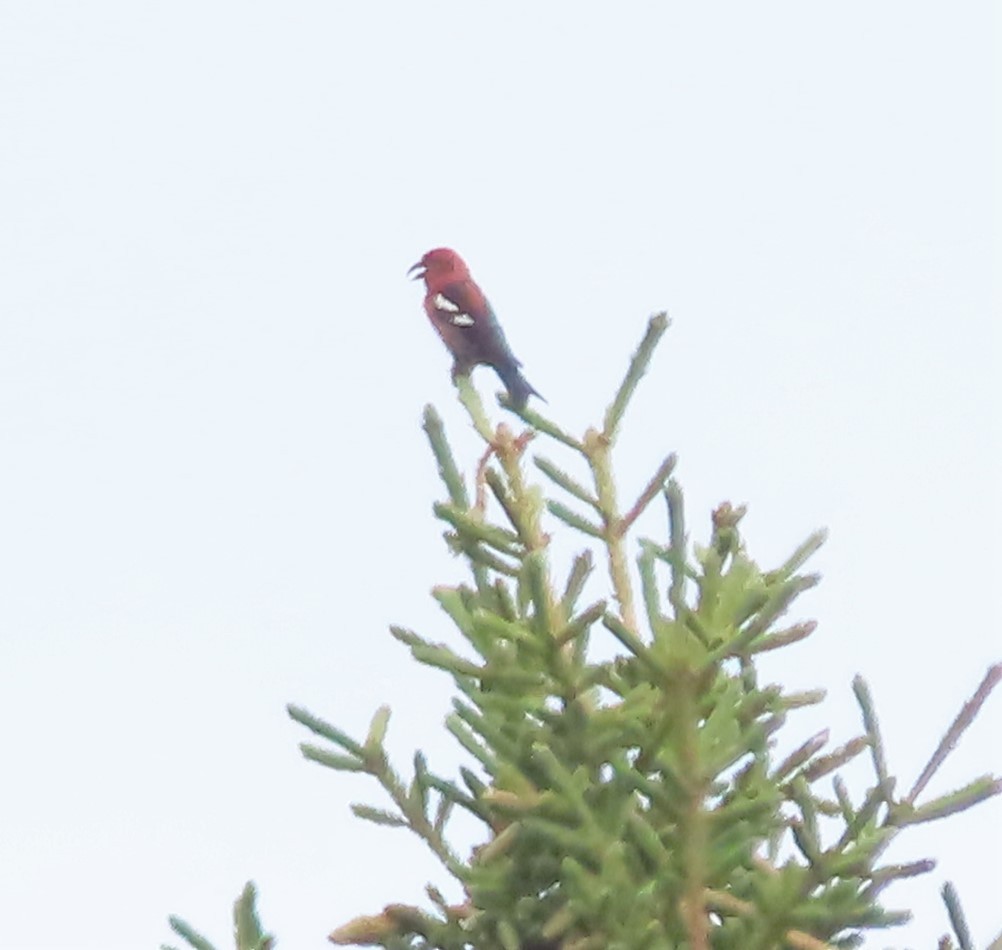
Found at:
<point>447,469</point>
<point>474,406</point>
<point>247,931</point>
<point>576,579</point>
<point>194,939</point>
<point>370,757</point>
<point>971,794</point>
<point>573,520</point>
<point>567,482</point>
<point>656,327</point>
<point>825,764</point>
<point>540,423</point>
<point>784,638</point>
<point>598,451</point>
<point>502,540</point>
<point>648,583</point>
<point>728,905</point>
<point>865,701</point>
<point>957,919</point>
<point>628,801</point>
<point>676,554</point>
<point>957,728</point>
<point>802,554</point>
<point>449,473</point>
<point>797,758</point>
<point>247,924</point>
<point>482,474</point>
<point>324,729</point>
<point>654,487</point>
<point>694,825</point>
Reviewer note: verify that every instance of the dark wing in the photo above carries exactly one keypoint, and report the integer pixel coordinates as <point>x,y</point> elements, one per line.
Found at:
<point>467,324</point>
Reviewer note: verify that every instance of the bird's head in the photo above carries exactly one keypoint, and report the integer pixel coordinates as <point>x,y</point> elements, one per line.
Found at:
<point>440,267</point>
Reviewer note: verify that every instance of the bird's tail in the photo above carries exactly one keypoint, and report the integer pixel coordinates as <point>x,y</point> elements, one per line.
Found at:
<point>519,388</point>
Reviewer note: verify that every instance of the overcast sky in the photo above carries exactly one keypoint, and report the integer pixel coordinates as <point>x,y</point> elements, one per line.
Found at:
<point>214,490</point>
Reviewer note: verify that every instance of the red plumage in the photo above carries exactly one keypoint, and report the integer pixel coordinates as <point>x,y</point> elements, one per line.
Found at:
<point>466,322</point>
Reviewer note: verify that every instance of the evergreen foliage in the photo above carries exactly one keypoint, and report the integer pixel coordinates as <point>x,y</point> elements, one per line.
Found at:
<point>633,802</point>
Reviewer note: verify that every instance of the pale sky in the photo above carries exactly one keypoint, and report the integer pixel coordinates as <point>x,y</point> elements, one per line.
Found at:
<point>215,493</point>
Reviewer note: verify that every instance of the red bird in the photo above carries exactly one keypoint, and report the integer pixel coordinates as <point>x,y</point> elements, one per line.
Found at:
<point>465,321</point>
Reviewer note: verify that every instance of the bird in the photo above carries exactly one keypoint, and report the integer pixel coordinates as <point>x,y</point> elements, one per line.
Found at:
<point>466,322</point>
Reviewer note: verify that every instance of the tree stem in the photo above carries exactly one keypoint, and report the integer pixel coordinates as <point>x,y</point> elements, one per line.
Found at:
<point>597,450</point>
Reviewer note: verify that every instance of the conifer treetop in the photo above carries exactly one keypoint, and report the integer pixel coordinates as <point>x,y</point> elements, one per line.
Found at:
<point>636,800</point>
